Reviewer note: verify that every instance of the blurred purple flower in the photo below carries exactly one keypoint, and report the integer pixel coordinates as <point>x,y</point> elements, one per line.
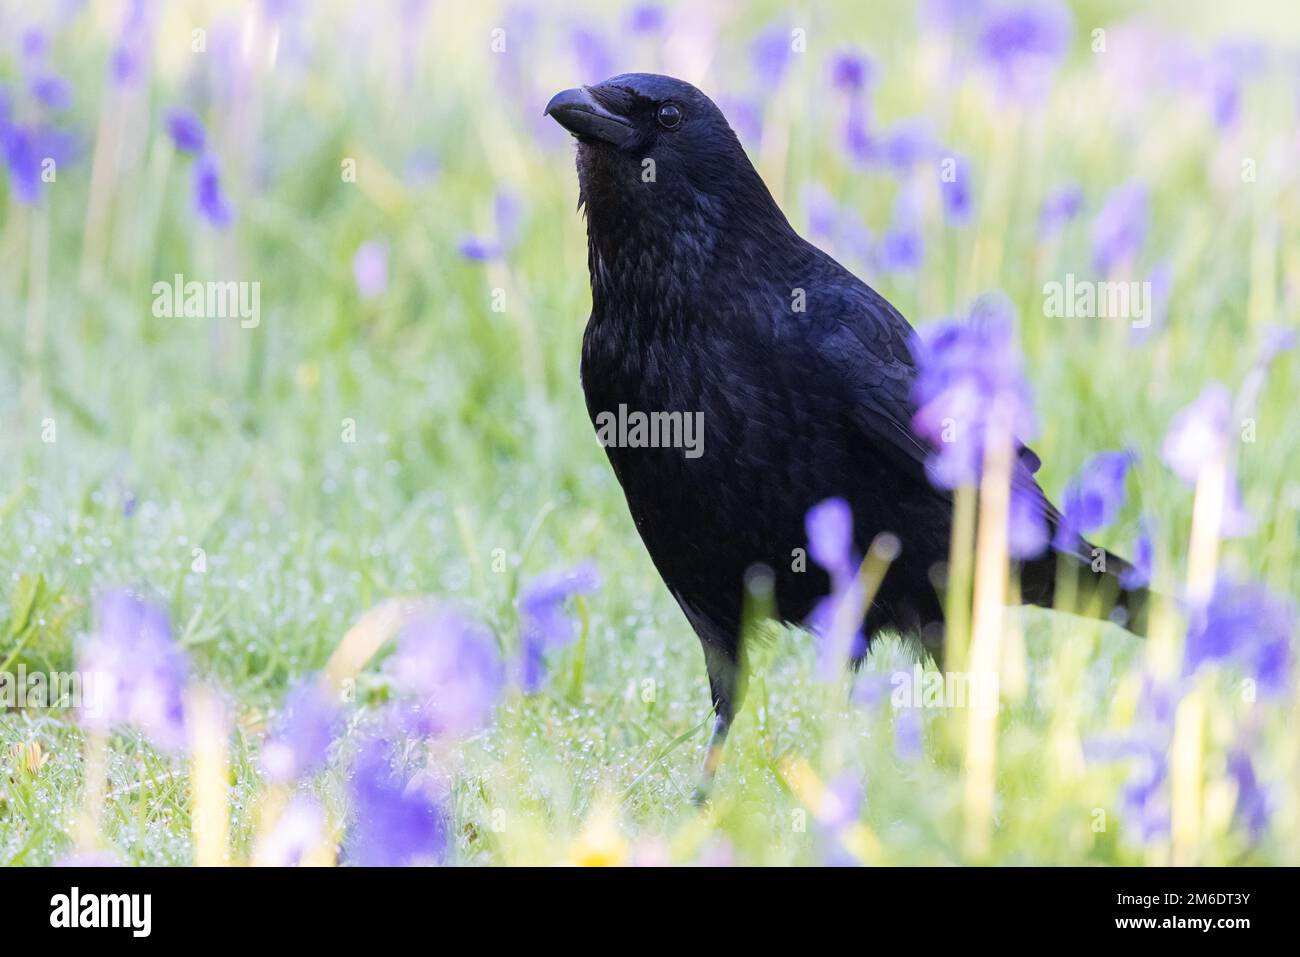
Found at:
<point>851,71</point>
<point>841,802</point>
<point>1094,497</point>
<point>646,18</point>
<point>1024,43</point>
<point>1247,626</point>
<point>137,671</point>
<point>1252,810</point>
<point>394,823</point>
<point>478,249</point>
<point>770,54</point>
<point>950,16</point>
<point>822,211</point>
<point>209,201</point>
<point>543,623</point>
<point>908,737</point>
<point>902,248</point>
<point>131,52</point>
<point>51,91</point>
<point>186,130</point>
<point>34,45</point>
<point>297,832</point>
<point>1141,561</point>
<point>968,368</point>
<point>1198,434</point>
<point>370,269</point>
<point>860,145</point>
<point>1059,207</point>
<point>830,538</point>
<point>1026,523</point>
<point>1120,229</point>
<point>506,210</point>
<point>955,190</point>
<point>1144,800</point>
<point>908,143</point>
<point>23,158</point>
<point>592,53</point>
<point>836,620</point>
<point>745,116</point>
<point>450,665</point>
<point>307,726</point>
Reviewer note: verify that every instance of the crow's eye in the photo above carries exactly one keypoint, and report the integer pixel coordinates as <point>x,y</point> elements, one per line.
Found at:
<point>670,116</point>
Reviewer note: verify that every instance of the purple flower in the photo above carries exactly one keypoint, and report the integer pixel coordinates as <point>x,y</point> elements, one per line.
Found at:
<point>836,620</point>
<point>1059,207</point>
<point>186,130</point>
<point>861,146</point>
<point>370,269</point>
<point>770,54</point>
<point>841,802</point>
<point>1026,522</point>
<point>1252,809</point>
<point>745,116</point>
<point>543,624</point>
<point>902,248</point>
<point>394,822</point>
<point>52,92</point>
<point>646,18</point>
<point>830,538</point>
<point>1093,499</point>
<point>908,738</point>
<point>478,249</point>
<point>23,158</point>
<point>297,832</point>
<point>850,71</point>
<point>35,44</point>
<point>908,143</point>
<point>209,200</point>
<point>955,190</point>
<point>968,369</point>
<point>1120,229</point>
<point>136,673</point>
<point>1141,561</point>
<point>450,665</point>
<point>307,726</point>
<point>1243,624</point>
<point>1024,43</point>
<point>1198,435</point>
<point>131,53</point>
<point>592,53</point>
<point>1144,800</point>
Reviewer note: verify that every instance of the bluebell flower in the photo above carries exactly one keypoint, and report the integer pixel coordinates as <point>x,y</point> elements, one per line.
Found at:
<point>956,192</point>
<point>1027,531</point>
<point>1245,625</point>
<point>394,821</point>
<point>851,71</point>
<point>770,54</point>
<point>1094,497</point>
<point>186,130</point>
<point>1141,560</point>
<point>1253,808</point>
<point>592,53</point>
<point>51,91</point>
<point>300,739</point>
<point>209,200</point>
<point>1198,434</point>
<point>646,18</point>
<point>902,248</point>
<point>370,269</point>
<point>543,623</point>
<point>449,666</point>
<point>1120,228</point>
<point>1024,43</point>
<point>968,367</point>
<point>1059,207</point>
<point>136,673</point>
<point>836,620</point>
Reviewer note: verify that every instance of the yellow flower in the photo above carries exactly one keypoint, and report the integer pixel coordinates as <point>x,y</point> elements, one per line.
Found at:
<point>601,843</point>
<point>31,755</point>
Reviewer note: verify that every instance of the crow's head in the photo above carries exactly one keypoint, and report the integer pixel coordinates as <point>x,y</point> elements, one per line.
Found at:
<point>655,152</point>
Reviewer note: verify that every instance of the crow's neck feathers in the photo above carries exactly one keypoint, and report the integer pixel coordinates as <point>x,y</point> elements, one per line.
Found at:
<point>651,246</point>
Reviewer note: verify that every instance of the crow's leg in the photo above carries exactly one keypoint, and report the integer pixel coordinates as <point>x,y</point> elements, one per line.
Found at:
<point>727,686</point>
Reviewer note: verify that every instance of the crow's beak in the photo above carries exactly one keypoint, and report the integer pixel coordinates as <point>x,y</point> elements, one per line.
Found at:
<point>582,115</point>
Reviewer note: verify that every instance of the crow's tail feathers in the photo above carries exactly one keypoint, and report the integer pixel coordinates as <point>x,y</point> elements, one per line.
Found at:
<point>1091,584</point>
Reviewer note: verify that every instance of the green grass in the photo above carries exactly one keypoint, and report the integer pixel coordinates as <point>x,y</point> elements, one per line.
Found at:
<point>471,436</point>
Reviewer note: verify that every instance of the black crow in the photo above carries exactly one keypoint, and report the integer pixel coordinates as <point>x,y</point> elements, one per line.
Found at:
<point>694,271</point>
